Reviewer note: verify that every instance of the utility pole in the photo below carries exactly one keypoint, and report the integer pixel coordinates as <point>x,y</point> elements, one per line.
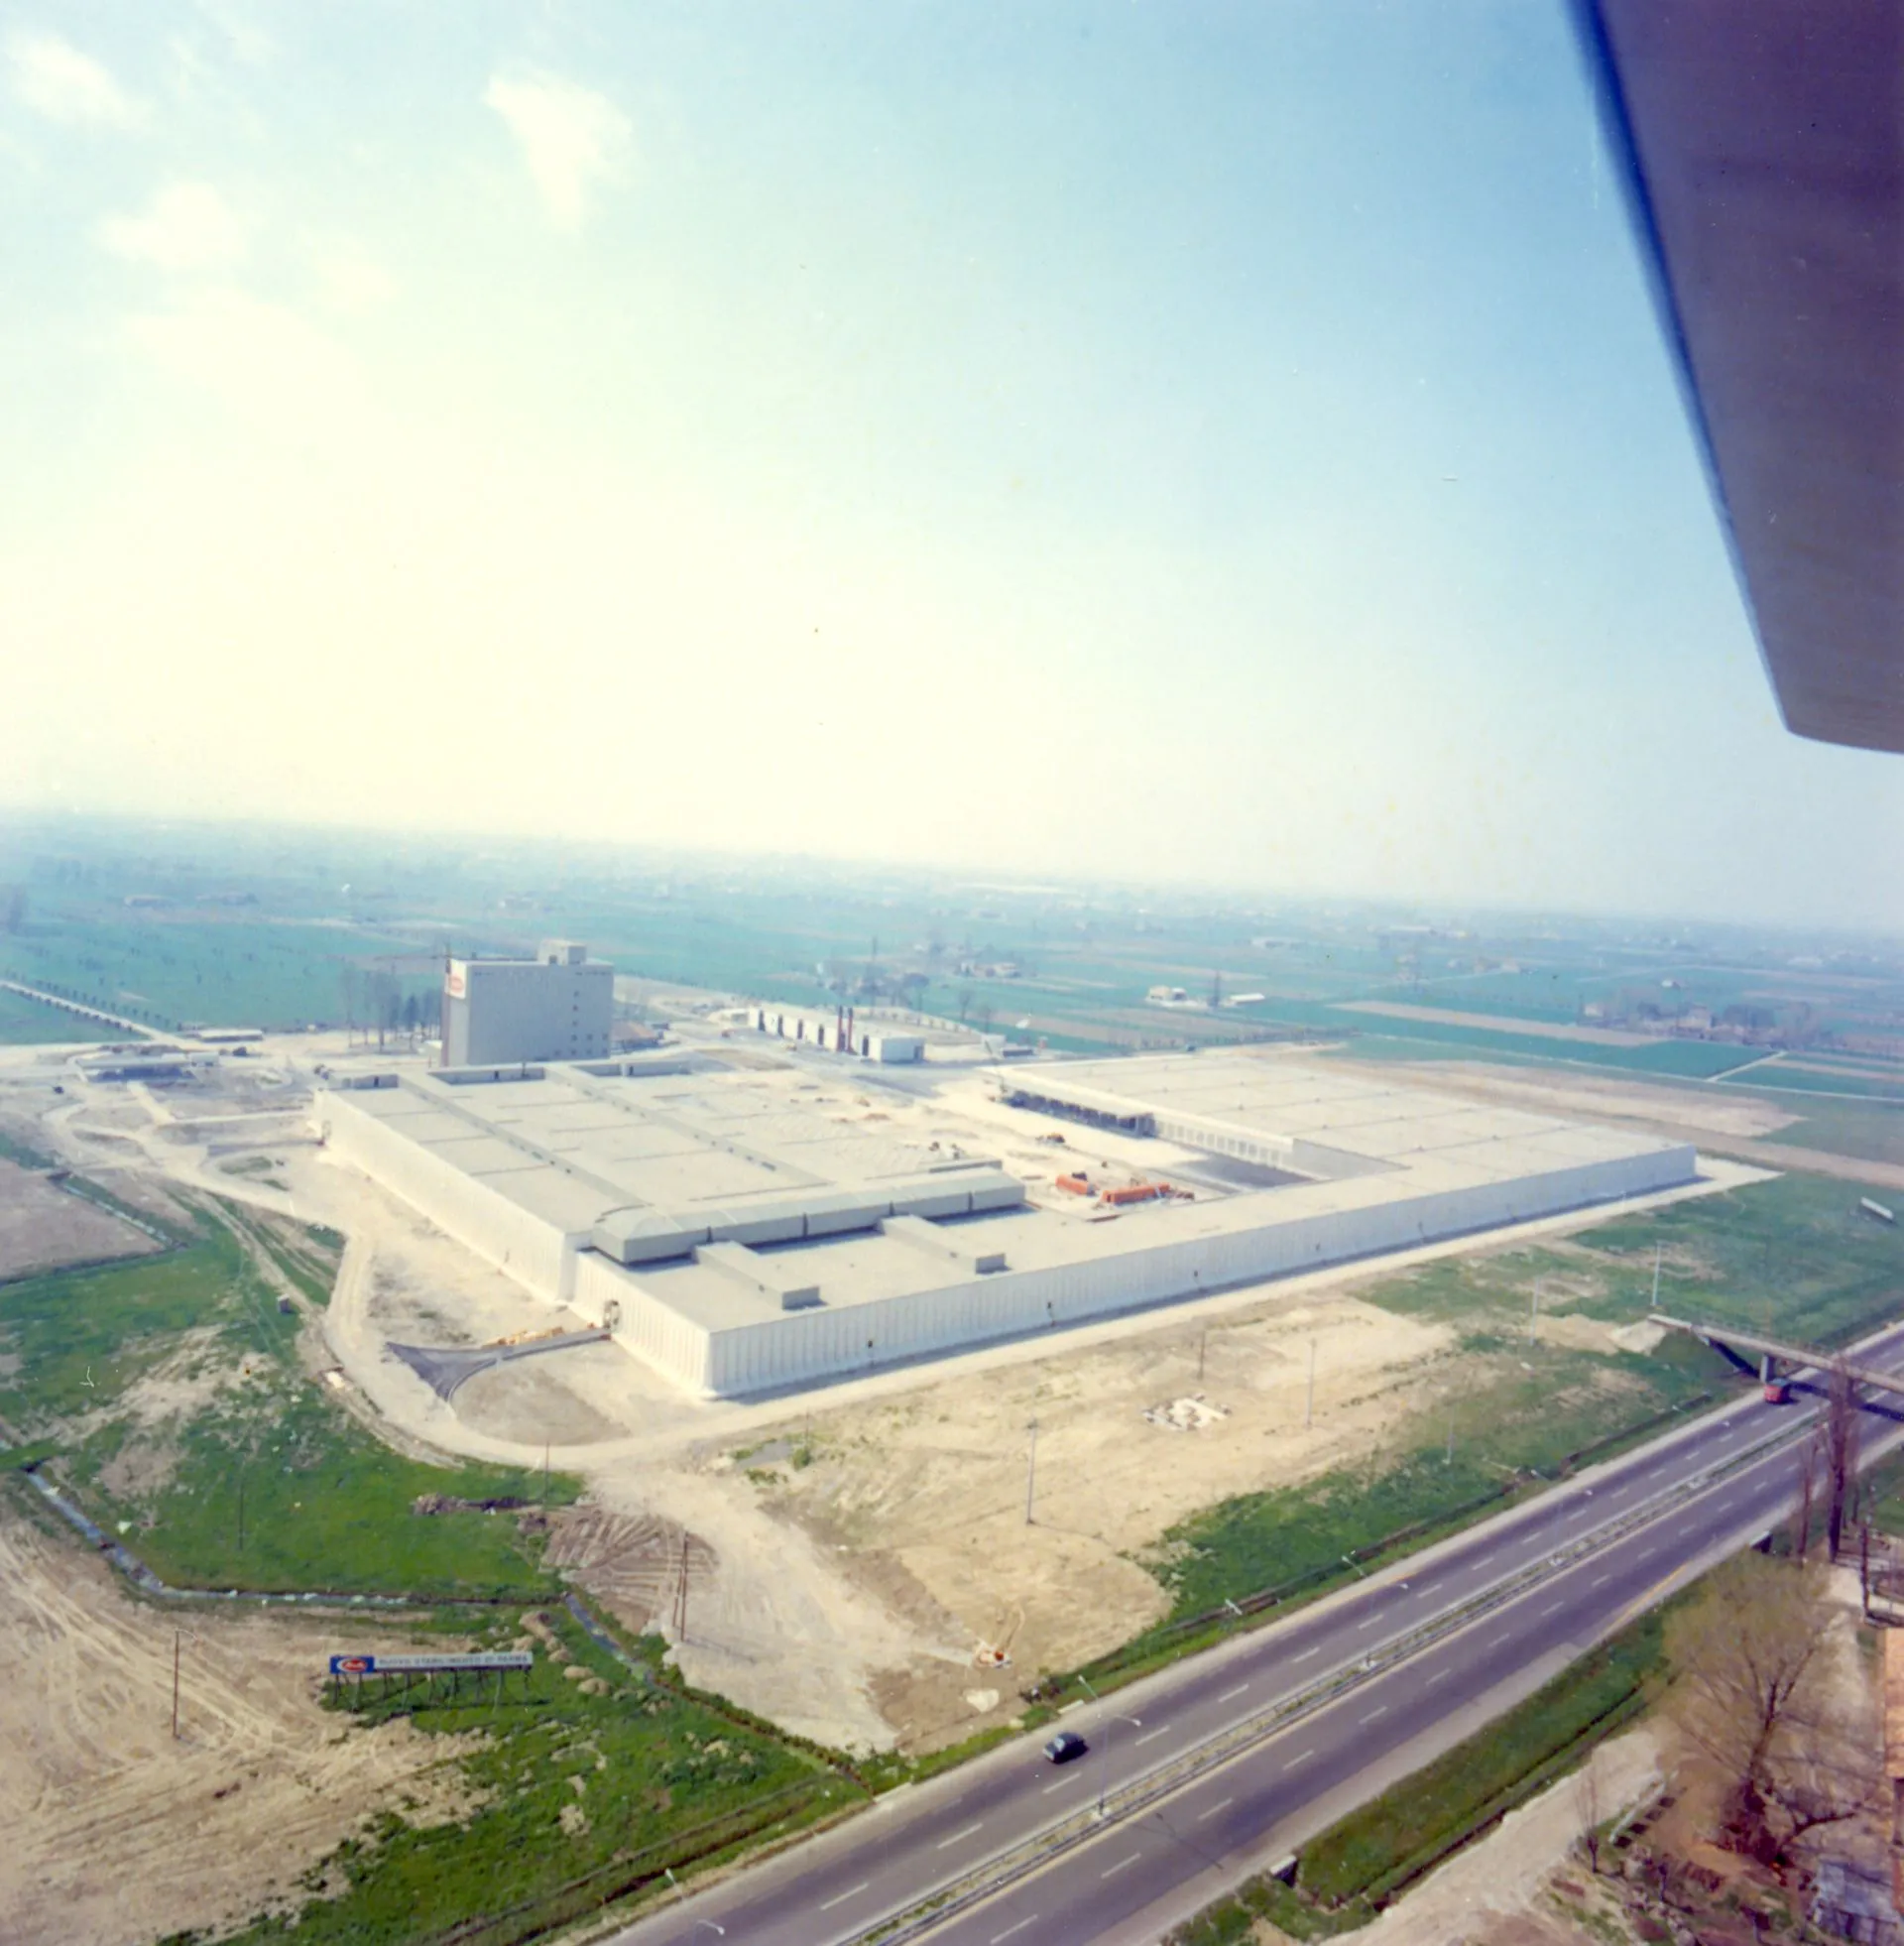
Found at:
<point>1533,1315</point>
<point>1104,1764</point>
<point>1655,1277</point>
<point>1309,1404</point>
<point>1203,1344</point>
<point>680,1595</point>
<point>1031,1472</point>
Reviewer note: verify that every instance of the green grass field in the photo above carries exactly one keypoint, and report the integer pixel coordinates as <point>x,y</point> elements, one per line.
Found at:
<point>258,1480</point>
<point>578,1799</point>
<point>1794,1257</point>
<point>162,969</point>
<point>1777,1079</point>
<point>31,1023</point>
<point>1537,1410</point>
<point>1874,1133</point>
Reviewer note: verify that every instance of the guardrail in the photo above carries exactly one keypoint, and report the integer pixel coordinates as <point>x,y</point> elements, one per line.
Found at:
<point>1167,1778</point>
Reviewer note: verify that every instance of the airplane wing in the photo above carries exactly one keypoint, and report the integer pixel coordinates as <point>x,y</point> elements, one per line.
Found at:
<point>1762,147</point>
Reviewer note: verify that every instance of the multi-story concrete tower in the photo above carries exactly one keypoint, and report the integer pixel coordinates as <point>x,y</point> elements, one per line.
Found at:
<point>558,1007</point>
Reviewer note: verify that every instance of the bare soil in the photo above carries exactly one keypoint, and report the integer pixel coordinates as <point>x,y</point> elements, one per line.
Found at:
<point>1598,1098</point>
<point>923,1497</point>
<point>44,1227</point>
<point>109,1820</point>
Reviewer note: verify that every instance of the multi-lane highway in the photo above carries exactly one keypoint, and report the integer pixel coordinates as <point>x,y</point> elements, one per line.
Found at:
<point>1319,1711</point>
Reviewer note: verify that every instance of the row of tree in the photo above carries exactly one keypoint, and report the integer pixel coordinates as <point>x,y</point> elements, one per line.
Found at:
<point>375,1000</point>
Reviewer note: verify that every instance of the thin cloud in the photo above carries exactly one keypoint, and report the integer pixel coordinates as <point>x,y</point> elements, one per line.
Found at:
<point>571,138</point>
<point>262,361</point>
<point>189,226</point>
<point>349,279</point>
<point>55,79</point>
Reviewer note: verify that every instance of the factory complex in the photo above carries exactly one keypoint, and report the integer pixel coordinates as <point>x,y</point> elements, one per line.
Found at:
<point>747,1226</point>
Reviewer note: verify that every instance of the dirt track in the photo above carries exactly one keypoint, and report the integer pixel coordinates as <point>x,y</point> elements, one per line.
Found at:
<point>115,1831</point>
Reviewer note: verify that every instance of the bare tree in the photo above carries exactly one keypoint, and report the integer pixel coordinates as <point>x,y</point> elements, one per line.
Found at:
<point>1750,1659</point>
<point>1587,1807</point>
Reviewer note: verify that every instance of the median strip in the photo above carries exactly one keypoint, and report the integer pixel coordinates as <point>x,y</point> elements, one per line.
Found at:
<point>1041,1849</point>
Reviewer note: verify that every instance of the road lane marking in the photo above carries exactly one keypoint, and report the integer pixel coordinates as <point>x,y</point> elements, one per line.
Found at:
<point>1602,1580</point>
<point>1500,1640</point>
<point>1230,1695</point>
<point>1306,1654</point>
<point>1370,1624</point>
<point>1486,1558</point>
<point>1205,1816</point>
<point>1553,1608</point>
<point>1070,1776</point>
<point>1382,1709</point>
<point>826,1905</point>
<point>958,1837</point>
<point>1148,1733</point>
<point>999,1937</point>
<point>1120,1863</point>
<point>1440,1675</point>
<point>1430,1589</point>
<point>1301,1757</point>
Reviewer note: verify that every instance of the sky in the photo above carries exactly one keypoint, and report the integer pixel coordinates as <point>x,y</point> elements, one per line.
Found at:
<point>1227,442</point>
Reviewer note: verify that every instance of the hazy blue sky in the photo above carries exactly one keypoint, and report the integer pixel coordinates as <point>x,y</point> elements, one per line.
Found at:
<point>1226,440</point>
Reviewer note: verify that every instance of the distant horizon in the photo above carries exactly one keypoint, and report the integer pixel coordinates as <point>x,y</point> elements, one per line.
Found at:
<point>925,877</point>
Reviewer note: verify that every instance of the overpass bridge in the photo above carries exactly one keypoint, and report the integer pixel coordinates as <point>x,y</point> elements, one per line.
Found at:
<point>1774,1353</point>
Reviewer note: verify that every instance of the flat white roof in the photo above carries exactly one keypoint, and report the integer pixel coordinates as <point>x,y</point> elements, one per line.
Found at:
<point>572,1146</point>
<point>1274,1099</point>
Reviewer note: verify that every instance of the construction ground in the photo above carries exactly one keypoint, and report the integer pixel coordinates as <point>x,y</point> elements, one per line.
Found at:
<point>110,1817</point>
<point>852,1563</point>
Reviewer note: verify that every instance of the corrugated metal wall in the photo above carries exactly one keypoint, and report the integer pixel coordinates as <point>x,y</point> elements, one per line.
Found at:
<point>812,1345</point>
<point>522,1245</point>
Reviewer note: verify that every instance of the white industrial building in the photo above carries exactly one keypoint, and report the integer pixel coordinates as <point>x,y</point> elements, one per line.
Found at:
<point>742,1239</point>
<point>558,1007</point>
<point>840,1031</point>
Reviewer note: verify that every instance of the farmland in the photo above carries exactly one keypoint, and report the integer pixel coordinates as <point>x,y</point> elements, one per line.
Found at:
<point>278,929</point>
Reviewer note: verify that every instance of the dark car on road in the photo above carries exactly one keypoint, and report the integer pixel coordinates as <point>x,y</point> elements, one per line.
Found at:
<point>1066,1745</point>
